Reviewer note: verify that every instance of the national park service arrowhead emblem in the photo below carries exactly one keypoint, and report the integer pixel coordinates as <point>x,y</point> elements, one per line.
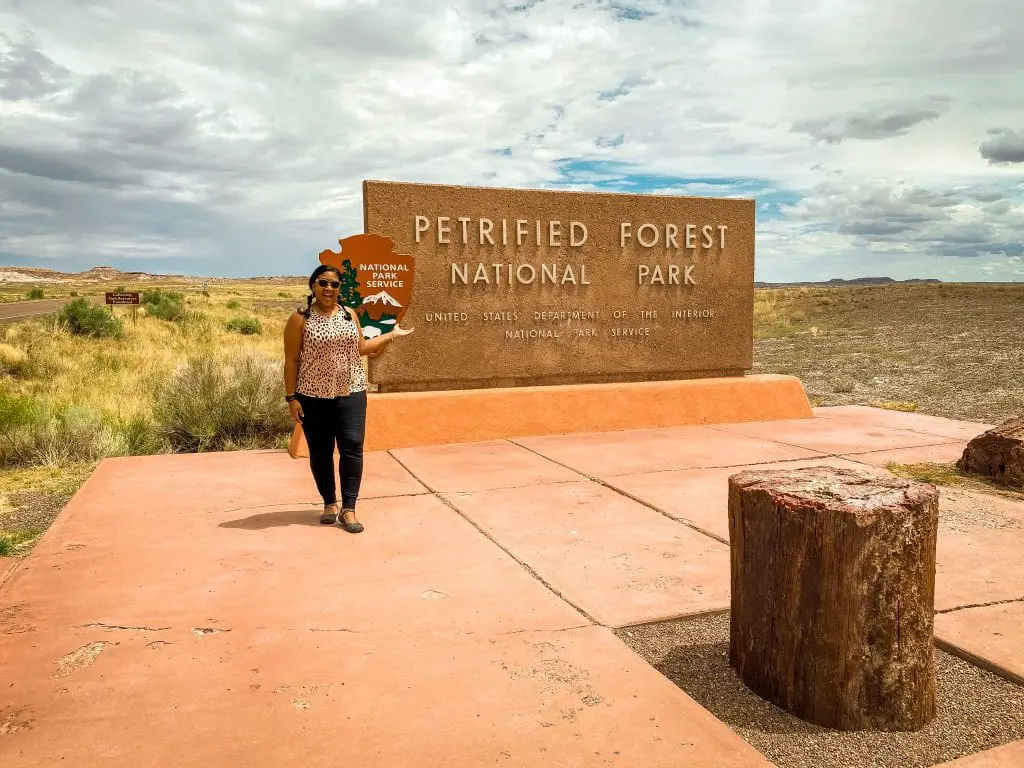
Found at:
<point>375,281</point>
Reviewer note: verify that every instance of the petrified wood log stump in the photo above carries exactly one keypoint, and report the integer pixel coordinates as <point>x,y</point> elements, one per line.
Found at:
<point>833,592</point>
<point>997,453</point>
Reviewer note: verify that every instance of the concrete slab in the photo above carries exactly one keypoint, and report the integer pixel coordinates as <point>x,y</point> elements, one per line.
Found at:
<point>833,436</point>
<point>700,497</point>
<point>978,558</point>
<point>915,422</point>
<point>993,633</point>
<point>608,454</point>
<point>205,563</point>
<point>617,560</point>
<point>7,566</point>
<point>480,466</point>
<point>238,478</point>
<point>1007,756</point>
<point>273,697</point>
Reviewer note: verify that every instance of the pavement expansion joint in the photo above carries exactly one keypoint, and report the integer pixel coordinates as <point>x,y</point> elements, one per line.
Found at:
<point>981,605</point>
<point>524,565</point>
<point>624,494</point>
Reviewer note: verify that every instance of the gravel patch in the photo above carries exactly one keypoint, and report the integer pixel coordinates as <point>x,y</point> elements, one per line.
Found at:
<point>30,510</point>
<point>976,710</point>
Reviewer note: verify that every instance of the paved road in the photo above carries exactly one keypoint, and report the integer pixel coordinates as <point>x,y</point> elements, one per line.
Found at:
<point>23,310</point>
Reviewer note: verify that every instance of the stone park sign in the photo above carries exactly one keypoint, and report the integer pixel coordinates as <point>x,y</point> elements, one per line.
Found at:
<point>510,287</point>
<point>548,312</point>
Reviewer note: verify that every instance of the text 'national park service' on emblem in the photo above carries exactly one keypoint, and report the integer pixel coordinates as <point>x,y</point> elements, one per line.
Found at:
<point>375,281</point>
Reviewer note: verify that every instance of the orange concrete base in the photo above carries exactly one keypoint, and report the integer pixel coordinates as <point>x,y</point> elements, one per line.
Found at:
<point>410,419</point>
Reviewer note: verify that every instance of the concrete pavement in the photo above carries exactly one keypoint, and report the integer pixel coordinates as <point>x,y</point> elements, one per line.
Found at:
<point>190,610</point>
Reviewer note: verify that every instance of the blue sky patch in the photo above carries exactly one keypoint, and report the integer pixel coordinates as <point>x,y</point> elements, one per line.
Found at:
<point>619,177</point>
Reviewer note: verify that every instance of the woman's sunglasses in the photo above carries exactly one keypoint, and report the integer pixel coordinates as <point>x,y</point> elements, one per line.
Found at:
<point>325,283</point>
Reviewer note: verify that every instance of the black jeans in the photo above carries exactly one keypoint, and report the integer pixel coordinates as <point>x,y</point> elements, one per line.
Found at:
<point>341,421</point>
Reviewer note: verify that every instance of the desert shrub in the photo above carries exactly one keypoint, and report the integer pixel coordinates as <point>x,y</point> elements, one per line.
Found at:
<point>12,360</point>
<point>85,319</point>
<point>71,434</point>
<point>844,385</point>
<point>210,405</point>
<point>234,304</point>
<point>40,347</point>
<point>245,325</point>
<point>35,293</point>
<point>137,436</point>
<point>33,434</point>
<point>167,305</point>
<point>284,294</point>
<point>18,411</point>
<point>73,294</point>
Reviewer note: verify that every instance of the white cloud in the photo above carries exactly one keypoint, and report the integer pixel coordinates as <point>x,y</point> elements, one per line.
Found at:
<point>236,134</point>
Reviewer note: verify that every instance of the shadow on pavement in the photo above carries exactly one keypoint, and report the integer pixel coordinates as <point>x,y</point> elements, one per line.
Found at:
<point>275,519</point>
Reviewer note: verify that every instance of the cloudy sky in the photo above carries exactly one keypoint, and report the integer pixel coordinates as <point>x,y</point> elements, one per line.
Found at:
<point>220,137</point>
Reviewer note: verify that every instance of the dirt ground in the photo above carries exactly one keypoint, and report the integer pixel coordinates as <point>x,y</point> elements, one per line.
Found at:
<point>950,350</point>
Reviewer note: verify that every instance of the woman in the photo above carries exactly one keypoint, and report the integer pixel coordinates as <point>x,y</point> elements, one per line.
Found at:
<point>325,386</point>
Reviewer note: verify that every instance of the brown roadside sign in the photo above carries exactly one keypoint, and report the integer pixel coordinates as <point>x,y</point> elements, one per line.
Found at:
<point>128,297</point>
<point>375,281</point>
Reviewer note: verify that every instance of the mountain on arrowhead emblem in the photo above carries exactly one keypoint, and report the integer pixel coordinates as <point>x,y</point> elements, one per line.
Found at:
<point>375,281</point>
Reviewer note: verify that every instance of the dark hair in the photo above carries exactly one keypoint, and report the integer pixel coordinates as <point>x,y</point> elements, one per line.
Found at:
<point>312,279</point>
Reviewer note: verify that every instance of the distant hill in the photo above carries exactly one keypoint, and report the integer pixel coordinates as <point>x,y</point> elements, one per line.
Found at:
<point>94,275</point>
<point>837,282</point>
<point>108,275</point>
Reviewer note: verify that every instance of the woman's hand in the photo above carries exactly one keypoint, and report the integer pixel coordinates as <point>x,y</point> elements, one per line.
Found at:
<point>399,331</point>
<point>295,407</point>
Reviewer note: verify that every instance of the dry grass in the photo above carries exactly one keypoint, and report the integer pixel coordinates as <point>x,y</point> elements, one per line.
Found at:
<point>949,475</point>
<point>944,349</point>
<point>106,389</point>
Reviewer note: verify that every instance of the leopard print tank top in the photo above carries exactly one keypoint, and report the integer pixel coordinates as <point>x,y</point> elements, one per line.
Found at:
<point>329,364</point>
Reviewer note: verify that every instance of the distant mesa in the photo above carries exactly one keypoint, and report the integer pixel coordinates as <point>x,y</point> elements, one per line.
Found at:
<point>855,281</point>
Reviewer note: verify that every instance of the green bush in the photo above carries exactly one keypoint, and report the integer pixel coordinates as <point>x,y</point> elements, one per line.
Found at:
<point>85,319</point>
<point>17,411</point>
<point>11,542</point>
<point>35,293</point>
<point>167,305</point>
<point>234,304</point>
<point>137,436</point>
<point>211,405</point>
<point>246,325</point>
